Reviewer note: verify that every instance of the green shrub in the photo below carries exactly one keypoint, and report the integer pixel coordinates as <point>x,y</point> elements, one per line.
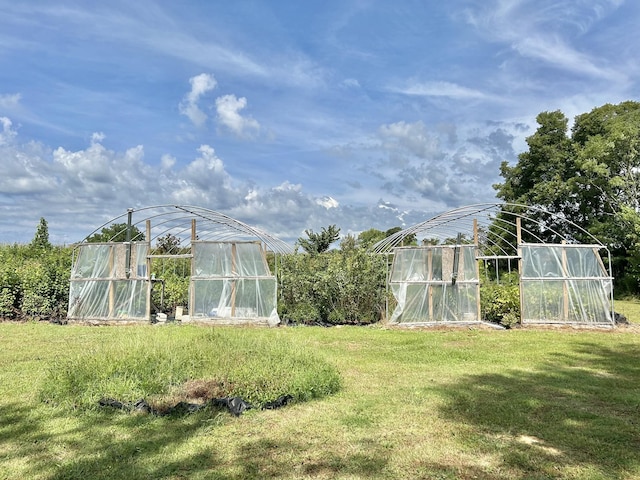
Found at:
<point>337,287</point>
<point>176,291</point>
<point>36,293</point>
<point>9,287</point>
<point>500,302</point>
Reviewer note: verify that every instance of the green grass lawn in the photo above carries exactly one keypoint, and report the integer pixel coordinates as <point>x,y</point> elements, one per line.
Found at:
<point>462,403</point>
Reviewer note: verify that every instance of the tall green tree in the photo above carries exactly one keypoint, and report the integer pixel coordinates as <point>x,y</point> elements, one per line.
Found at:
<point>41,239</point>
<point>591,177</point>
<point>321,241</point>
<point>116,232</point>
<point>541,176</point>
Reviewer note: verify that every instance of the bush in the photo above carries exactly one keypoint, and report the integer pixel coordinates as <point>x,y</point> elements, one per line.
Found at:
<point>34,281</point>
<point>36,298</point>
<point>500,302</point>
<point>337,287</point>
<point>9,287</point>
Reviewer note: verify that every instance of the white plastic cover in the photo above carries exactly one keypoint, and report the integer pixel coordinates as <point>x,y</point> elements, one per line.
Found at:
<point>99,287</point>
<point>564,284</point>
<point>435,284</point>
<point>232,281</point>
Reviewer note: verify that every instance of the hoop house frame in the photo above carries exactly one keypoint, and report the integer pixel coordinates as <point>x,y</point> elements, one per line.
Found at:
<point>578,292</point>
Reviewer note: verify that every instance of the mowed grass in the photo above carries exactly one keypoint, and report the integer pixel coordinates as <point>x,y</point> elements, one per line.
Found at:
<point>459,403</point>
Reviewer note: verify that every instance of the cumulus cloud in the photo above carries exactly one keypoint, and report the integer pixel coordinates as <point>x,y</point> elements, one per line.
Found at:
<point>440,167</point>
<point>79,190</point>
<point>228,108</point>
<point>413,138</point>
<point>328,202</point>
<point>200,85</point>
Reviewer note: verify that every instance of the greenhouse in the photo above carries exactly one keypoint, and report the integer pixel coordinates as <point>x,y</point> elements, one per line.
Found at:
<point>562,277</point>
<point>223,261</point>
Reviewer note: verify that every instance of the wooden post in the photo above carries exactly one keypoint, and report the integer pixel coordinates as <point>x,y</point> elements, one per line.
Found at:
<point>519,249</point>
<point>234,274</point>
<point>476,242</point>
<point>565,288</point>
<point>192,287</point>
<point>112,286</point>
<point>430,280</point>
<point>148,272</point>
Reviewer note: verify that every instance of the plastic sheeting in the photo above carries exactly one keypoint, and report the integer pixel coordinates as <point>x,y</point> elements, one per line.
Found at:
<point>232,281</point>
<point>564,284</point>
<point>435,284</point>
<point>99,287</point>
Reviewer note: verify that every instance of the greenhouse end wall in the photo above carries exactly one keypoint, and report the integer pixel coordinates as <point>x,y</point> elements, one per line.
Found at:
<point>565,284</point>
<point>231,283</point>
<point>105,286</point>
<point>435,284</point>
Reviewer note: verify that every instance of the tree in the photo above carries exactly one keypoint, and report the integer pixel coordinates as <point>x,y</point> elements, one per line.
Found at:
<point>319,242</point>
<point>369,238</point>
<point>541,176</point>
<point>591,178</point>
<point>169,243</point>
<point>117,232</point>
<point>41,239</point>
<point>409,240</point>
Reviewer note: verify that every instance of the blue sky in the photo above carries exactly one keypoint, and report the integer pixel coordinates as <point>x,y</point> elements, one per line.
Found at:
<point>288,115</point>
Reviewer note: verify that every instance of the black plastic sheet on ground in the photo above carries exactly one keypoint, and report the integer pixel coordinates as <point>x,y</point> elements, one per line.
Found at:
<point>235,405</point>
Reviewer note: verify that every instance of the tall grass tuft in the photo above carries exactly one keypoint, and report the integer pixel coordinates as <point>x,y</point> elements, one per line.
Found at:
<point>182,363</point>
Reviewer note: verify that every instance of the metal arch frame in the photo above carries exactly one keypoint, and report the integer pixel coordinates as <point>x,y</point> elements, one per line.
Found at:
<point>448,224</point>
<point>214,226</point>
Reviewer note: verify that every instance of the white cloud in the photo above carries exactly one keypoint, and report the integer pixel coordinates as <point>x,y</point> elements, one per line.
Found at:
<point>328,202</point>
<point>167,162</point>
<point>549,31</point>
<point>410,137</point>
<point>9,102</point>
<point>441,89</point>
<point>228,108</point>
<point>200,85</point>
<point>7,134</point>
<point>438,167</point>
<point>98,137</point>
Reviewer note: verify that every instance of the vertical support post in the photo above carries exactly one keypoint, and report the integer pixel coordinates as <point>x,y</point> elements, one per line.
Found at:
<point>192,287</point>
<point>519,246</point>
<point>127,266</point>
<point>148,265</point>
<point>565,287</point>
<point>430,280</point>
<point>234,274</point>
<point>476,242</point>
<point>386,285</point>
<point>112,286</point>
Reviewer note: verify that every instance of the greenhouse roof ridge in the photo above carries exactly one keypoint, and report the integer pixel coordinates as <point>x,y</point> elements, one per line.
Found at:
<point>176,220</point>
<point>501,217</point>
